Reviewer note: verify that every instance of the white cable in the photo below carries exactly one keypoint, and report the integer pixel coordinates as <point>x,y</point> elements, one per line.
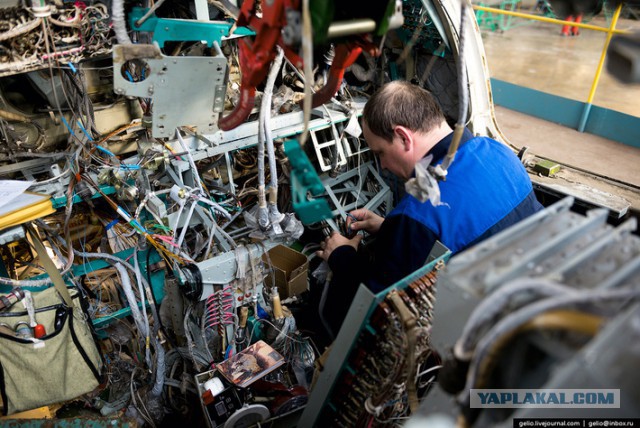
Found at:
<point>145,317</point>
<point>212,233</point>
<point>266,107</point>
<point>125,281</point>
<point>262,215</point>
<point>462,69</point>
<point>463,94</point>
<point>150,339</point>
<point>20,29</point>
<point>26,282</point>
<point>177,225</point>
<point>146,200</point>
<point>160,368</point>
<point>185,227</point>
<point>274,215</point>
<point>116,259</point>
<point>119,22</point>
<point>496,302</point>
<point>429,370</point>
<point>224,234</point>
<point>307,57</point>
<point>194,170</point>
<point>51,180</point>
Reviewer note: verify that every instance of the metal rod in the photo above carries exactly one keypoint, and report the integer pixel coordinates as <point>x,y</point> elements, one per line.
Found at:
<point>622,274</point>
<point>348,28</point>
<point>549,20</point>
<point>605,239</point>
<point>587,108</point>
<point>563,238</point>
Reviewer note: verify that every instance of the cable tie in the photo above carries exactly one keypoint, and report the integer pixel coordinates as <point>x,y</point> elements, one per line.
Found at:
<point>41,11</point>
<point>111,224</point>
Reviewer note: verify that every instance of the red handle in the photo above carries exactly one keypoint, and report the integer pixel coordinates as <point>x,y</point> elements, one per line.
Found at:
<point>344,57</point>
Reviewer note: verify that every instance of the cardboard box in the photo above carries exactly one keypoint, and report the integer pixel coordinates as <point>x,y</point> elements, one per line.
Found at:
<point>290,268</point>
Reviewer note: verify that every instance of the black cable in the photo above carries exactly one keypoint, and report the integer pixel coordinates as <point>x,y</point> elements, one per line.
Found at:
<point>155,302</point>
<point>169,337</point>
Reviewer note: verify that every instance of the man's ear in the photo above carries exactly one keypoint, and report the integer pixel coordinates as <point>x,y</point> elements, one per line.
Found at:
<point>405,135</point>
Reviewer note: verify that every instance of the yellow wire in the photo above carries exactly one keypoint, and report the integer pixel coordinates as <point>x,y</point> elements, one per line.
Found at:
<point>166,254</point>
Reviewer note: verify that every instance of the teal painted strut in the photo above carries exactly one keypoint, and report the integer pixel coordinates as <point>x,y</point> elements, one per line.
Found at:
<point>184,30</point>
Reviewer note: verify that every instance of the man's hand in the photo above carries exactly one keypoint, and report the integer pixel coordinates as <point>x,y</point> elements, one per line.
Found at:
<point>365,220</point>
<point>334,241</point>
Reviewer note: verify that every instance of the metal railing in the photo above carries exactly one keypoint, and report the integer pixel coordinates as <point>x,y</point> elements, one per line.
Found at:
<point>611,30</point>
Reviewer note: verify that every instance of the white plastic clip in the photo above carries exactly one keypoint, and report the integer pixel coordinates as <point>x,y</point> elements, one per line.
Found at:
<point>28,305</point>
<point>41,11</point>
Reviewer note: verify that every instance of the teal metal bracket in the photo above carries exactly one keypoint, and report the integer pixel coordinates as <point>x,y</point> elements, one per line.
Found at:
<point>304,180</point>
<point>62,200</point>
<point>184,30</point>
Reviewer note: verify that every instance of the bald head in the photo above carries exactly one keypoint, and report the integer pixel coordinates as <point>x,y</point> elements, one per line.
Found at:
<point>404,104</point>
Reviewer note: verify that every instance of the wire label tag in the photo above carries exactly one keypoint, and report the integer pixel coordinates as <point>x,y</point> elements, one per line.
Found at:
<point>353,127</point>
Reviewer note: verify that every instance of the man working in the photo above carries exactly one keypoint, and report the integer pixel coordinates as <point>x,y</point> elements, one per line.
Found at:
<point>486,190</point>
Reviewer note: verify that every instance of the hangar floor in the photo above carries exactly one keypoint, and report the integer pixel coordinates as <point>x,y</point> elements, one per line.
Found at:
<point>568,146</point>
<point>535,55</point>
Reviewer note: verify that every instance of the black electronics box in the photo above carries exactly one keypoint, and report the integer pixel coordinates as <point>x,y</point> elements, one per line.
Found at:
<point>217,409</point>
